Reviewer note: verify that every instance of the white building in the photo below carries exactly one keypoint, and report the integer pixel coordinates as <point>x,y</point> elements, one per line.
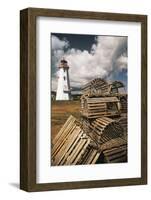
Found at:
<point>63,89</point>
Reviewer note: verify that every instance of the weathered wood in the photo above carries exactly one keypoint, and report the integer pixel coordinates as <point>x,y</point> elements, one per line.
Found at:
<point>116,156</point>
<point>123,102</point>
<point>96,86</point>
<point>123,122</point>
<point>61,132</point>
<point>102,129</point>
<point>99,106</point>
<point>71,147</point>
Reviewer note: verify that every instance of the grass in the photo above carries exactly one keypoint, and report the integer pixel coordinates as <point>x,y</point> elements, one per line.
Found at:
<point>60,111</point>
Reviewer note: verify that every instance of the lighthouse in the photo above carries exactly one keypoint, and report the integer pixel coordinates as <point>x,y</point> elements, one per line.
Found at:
<point>63,89</point>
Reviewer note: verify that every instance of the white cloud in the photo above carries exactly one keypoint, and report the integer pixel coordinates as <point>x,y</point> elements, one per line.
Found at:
<point>56,43</point>
<point>105,56</point>
<point>121,62</point>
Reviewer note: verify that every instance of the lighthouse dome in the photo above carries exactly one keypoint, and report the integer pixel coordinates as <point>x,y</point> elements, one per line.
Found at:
<point>63,64</point>
<point>63,61</point>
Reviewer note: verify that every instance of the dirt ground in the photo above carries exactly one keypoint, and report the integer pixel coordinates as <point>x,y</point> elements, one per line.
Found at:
<point>60,111</point>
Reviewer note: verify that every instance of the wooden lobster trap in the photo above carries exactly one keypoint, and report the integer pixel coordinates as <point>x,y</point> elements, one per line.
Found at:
<point>96,87</point>
<point>100,106</point>
<point>72,146</point>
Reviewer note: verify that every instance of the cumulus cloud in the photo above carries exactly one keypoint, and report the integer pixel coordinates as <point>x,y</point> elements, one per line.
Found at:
<point>121,62</point>
<point>58,48</point>
<point>107,55</point>
<point>58,44</point>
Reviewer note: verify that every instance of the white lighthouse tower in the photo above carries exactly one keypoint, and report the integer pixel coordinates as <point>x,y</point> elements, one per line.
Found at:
<point>63,89</point>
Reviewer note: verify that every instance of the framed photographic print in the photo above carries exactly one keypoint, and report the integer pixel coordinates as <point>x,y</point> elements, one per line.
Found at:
<point>83,99</point>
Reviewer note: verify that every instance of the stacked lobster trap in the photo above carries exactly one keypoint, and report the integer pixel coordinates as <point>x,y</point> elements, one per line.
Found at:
<point>104,118</point>
<point>101,135</point>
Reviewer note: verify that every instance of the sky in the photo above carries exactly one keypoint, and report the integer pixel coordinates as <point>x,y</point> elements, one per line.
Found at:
<point>89,57</point>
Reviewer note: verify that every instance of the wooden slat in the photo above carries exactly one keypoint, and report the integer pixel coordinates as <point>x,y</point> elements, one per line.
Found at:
<point>71,119</point>
<point>66,148</point>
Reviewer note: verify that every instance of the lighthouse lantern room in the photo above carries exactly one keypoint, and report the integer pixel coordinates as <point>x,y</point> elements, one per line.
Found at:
<point>63,89</point>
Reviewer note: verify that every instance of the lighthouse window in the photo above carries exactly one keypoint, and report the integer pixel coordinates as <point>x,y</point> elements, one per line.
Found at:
<point>64,78</point>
